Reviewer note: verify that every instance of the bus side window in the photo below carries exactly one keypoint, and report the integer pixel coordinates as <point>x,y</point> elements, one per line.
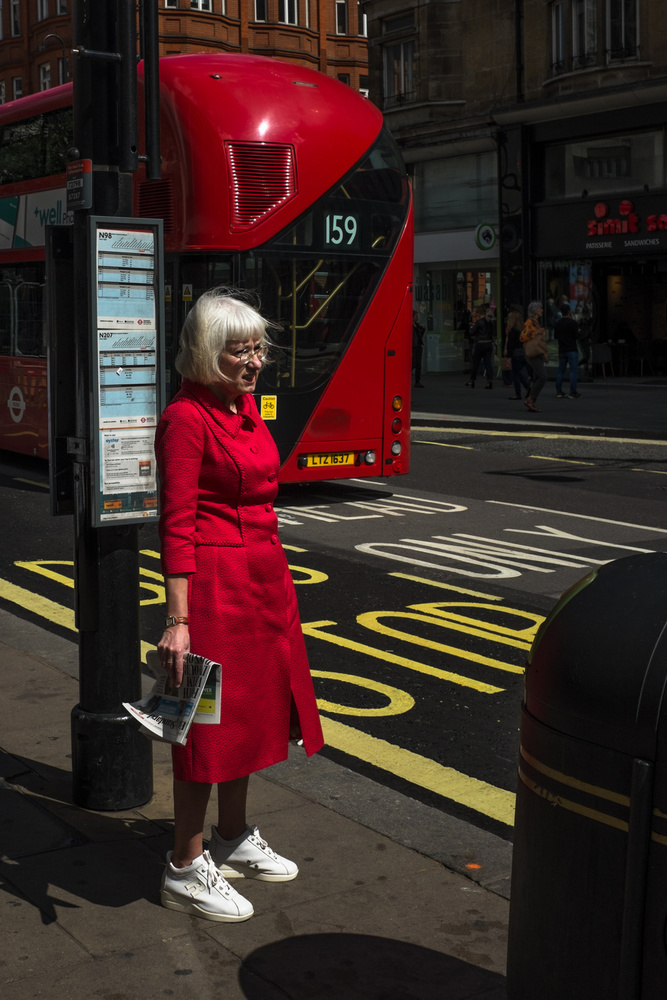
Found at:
<point>30,339</point>
<point>5,317</point>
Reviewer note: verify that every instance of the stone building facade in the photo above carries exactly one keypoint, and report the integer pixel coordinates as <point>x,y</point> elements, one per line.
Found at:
<point>327,35</point>
<point>534,131</point>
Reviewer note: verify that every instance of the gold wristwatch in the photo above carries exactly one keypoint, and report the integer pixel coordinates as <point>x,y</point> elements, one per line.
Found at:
<point>171,620</point>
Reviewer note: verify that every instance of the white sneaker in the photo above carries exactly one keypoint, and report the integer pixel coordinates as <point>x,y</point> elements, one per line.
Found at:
<point>200,889</point>
<point>251,857</point>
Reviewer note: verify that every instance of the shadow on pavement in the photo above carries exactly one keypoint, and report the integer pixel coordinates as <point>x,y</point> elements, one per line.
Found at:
<point>360,967</point>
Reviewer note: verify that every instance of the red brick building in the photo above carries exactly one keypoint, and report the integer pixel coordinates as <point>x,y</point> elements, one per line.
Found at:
<point>329,35</point>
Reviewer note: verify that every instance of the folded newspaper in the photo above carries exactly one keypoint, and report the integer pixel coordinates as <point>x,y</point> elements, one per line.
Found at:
<point>166,713</point>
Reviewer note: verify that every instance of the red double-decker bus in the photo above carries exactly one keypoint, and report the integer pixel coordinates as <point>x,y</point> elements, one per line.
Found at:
<point>277,179</point>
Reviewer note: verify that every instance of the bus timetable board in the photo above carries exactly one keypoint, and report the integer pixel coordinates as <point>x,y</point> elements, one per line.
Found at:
<point>127,369</point>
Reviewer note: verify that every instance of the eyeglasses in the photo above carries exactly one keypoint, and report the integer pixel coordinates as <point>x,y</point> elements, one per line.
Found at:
<point>245,356</point>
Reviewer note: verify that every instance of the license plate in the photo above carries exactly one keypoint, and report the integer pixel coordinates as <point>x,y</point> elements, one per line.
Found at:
<point>335,458</point>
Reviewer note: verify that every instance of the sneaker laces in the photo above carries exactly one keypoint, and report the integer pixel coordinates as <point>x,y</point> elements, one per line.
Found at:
<point>262,844</point>
<point>214,880</point>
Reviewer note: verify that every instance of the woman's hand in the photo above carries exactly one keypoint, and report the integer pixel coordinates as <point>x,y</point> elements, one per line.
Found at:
<point>172,647</point>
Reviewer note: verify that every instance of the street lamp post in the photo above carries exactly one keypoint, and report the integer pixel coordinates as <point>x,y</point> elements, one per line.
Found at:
<point>42,47</point>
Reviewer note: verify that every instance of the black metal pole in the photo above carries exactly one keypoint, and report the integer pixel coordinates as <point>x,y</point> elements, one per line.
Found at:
<point>111,760</point>
<point>151,57</point>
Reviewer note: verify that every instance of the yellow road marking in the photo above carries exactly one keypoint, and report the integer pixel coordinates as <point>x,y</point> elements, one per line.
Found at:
<point>314,629</point>
<point>567,461</point>
<point>31,482</point>
<point>399,701</point>
<point>656,472</point>
<point>446,586</point>
<point>443,444</point>
<point>38,605</point>
<point>486,799</point>
<point>546,435</point>
<point>370,620</point>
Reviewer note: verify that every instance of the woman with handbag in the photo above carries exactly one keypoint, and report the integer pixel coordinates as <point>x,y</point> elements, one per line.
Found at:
<point>533,337</point>
<point>229,597</point>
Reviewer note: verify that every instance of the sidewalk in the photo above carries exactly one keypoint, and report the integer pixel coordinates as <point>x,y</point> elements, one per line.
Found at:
<point>612,407</point>
<point>375,914</point>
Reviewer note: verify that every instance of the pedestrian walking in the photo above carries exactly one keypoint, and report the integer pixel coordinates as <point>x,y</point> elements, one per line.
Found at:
<point>521,371</point>
<point>230,597</point>
<point>482,337</point>
<point>533,338</point>
<point>417,348</point>
<point>566,333</point>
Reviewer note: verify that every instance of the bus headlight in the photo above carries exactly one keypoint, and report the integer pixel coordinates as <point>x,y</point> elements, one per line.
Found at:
<point>369,458</point>
<point>396,448</point>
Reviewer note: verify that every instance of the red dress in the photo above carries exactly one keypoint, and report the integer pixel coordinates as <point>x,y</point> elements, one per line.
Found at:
<point>219,480</point>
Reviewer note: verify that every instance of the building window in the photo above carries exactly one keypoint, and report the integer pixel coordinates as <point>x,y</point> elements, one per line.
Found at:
<point>363,21</point>
<point>17,87</point>
<point>341,17</point>
<point>344,78</point>
<point>63,75</point>
<point>15,15</point>
<point>558,36</point>
<point>61,7</point>
<point>399,72</point>
<point>584,33</point>
<point>261,10</point>
<point>171,3</point>
<point>1,32</point>
<point>42,10</point>
<point>3,97</point>
<point>599,168</point>
<point>622,29</point>
<point>307,13</point>
<point>201,4</point>
<point>45,76</point>
<point>288,12</point>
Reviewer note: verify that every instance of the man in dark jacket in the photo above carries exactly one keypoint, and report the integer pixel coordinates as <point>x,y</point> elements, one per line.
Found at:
<point>566,332</point>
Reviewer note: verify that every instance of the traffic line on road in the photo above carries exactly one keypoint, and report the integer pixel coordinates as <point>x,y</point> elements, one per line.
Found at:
<point>566,461</point>
<point>314,629</point>
<point>445,444</point>
<point>447,586</point>
<point>496,803</point>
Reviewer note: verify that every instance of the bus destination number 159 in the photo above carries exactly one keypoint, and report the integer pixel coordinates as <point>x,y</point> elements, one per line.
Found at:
<point>340,230</point>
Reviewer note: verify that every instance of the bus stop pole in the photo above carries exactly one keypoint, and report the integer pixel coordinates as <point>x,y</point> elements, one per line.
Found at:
<point>111,760</point>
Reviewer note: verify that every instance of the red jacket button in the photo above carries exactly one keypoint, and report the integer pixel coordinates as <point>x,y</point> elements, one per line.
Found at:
<point>254,449</point>
<point>269,506</point>
<point>274,539</point>
<point>272,477</point>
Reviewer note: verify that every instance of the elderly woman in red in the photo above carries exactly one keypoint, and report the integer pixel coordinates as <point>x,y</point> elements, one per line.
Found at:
<point>229,597</point>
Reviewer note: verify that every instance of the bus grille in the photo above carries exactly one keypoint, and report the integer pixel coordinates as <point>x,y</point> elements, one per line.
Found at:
<point>262,178</point>
<point>155,200</point>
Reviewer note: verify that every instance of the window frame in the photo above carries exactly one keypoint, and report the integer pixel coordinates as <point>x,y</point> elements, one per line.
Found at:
<point>42,10</point>
<point>45,76</point>
<point>17,87</point>
<point>15,19</point>
<point>632,52</point>
<point>584,54</point>
<point>203,6</point>
<point>558,53</point>
<point>288,12</point>
<point>341,17</point>
<point>407,49</point>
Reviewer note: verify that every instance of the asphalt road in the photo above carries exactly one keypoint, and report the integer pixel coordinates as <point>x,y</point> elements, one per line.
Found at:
<point>420,597</point>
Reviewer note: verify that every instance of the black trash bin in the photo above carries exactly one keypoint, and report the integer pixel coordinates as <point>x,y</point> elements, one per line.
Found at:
<point>588,910</point>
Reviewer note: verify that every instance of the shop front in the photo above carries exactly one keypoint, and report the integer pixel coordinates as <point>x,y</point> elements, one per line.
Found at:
<point>457,265</point>
<point>608,259</point>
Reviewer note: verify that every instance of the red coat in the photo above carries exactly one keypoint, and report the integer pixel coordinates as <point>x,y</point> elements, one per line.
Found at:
<point>218,475</point>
